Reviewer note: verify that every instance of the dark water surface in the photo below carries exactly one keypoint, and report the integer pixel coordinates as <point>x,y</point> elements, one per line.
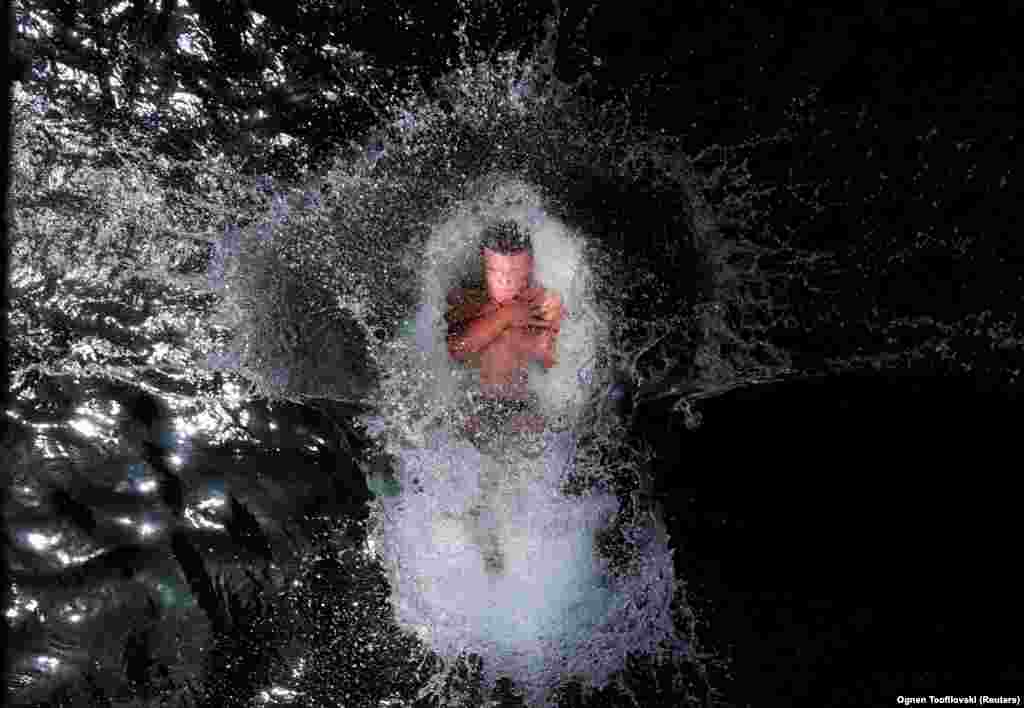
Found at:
<point>851,538</point>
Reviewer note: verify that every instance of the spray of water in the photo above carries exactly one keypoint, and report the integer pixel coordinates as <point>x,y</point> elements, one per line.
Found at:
<point>518,551</point>
<point>486,552</point>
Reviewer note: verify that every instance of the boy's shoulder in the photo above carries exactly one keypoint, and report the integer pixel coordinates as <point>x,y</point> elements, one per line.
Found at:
<point>464,304</point>
<point>467,296</point>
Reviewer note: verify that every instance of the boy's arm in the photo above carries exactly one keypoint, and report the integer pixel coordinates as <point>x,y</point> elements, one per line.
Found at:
<point>545,347</point>
<point>543,342</point>
<point>472,324</point>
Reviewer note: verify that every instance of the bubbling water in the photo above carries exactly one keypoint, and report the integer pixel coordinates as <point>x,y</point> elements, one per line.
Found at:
<point>485,551</point>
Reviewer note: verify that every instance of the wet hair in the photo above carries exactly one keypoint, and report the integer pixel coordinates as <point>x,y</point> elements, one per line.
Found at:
<point>506,238</point>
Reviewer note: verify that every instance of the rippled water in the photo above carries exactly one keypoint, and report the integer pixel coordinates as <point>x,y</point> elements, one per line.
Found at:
<point>197,523</point>
<point>176,536</point>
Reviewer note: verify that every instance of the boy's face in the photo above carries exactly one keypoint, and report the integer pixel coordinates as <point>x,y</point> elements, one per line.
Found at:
<point>507,275</point>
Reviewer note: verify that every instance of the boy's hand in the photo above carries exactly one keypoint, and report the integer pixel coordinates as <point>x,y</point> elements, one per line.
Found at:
<point>551,308</point>
<point>524,313</point>
<point>535,307</point>
<point>549,303</point>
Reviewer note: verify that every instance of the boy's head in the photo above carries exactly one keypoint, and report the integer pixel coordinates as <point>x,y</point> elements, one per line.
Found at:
<point>508,260</point>
<point>506,238</point>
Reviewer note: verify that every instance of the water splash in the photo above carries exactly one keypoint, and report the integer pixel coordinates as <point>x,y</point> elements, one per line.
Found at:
<point>498,552</point>
<point>418,361</point>
<point>486,553</point>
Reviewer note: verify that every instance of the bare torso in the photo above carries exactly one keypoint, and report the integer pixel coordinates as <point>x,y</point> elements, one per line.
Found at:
<point>503,365</point>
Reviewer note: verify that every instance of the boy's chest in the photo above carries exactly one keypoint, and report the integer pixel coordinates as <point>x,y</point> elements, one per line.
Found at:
<point>509,350</point>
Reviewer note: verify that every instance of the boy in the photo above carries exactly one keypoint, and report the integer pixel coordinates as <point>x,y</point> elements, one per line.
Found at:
<point>503,328</point>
